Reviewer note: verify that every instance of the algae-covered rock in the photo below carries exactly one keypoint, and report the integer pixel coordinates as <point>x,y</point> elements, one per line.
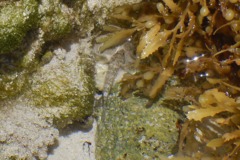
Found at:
<point>90,14</point>
<point>24,134</point>
<point>57,80</point>
<point>15,70</point>
<point>15,20</point>
<point>64,87</point>
<point>128,130</point>
<point>56,19</point>
<point>58,92</point>
<point>53,17</point>
<point>11,85</point>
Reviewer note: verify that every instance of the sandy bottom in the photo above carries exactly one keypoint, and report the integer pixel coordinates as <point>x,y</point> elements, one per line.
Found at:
<point>75,143</point>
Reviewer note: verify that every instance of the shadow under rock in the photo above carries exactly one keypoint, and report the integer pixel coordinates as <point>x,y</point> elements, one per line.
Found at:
<point>75,127</point>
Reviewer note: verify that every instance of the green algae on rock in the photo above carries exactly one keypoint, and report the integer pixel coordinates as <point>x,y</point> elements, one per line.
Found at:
<point>55,21</point>
<point>11,85</point>
<point>128,130</point>
<point>59,90</point>
<point>15,70</point>
<point>54,18</point>
<point>64,87</point>
<point>15,20</point>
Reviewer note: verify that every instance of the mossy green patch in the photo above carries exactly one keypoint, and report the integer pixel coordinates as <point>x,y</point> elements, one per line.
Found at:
<point>11,85</point>
<point>128,130</point>
<point>64,87</point>
<point>56,21</point>
<point>15,20</point>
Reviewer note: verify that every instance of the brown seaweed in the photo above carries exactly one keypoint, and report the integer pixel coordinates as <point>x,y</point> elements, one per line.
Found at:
<point>198,41</point>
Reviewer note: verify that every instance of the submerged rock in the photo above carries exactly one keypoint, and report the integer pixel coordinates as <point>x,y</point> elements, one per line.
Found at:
<point>19,18</point>
<point>16,20</point>
<point>128,130</point>
<point>53,17</point>
<point>12,84</point>
<point>64,87</point>
<point>45,84</point>
<point>56,19</point>
<point>25,26</point>
<point>59,92</point>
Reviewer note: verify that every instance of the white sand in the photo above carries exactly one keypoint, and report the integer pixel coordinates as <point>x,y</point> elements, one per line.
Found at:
<point>78,145</point>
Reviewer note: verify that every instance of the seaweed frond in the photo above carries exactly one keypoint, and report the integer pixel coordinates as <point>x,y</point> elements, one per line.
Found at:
<point>116,38</point>
<point>212,102</point>
<point>217,107</point>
